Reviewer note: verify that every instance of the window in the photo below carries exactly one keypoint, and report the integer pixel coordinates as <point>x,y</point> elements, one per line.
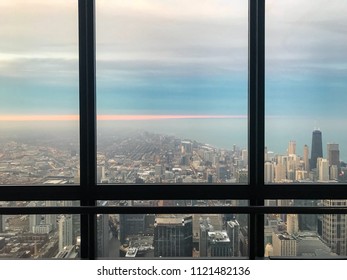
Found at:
<point>97,204</point>
<point>171,91</point>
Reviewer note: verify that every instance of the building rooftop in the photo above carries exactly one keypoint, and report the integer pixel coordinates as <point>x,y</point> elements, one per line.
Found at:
<point>285,236</point>
<point>171,219</point>
<point>218,236</point>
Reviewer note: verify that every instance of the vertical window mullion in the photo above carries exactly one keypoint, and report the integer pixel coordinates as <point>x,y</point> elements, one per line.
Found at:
<point>86,16</point>
<point>256,126</point>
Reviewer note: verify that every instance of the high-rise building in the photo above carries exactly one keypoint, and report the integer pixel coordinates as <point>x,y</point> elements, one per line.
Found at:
<point>292,224</point>
<point>280,170</point>
<point>203,239</point>
<point>212,220</point>
<point>323,169</point>
<point>333,172</point>
<point>65,231</point>
<point>335,227</point>
<point>244,157</point>
<point>242,176</point>
<point>100,173</point>
<point>233,231</point>
<point>103,233</point>
<point>131,224</point>
<point>292,148</point>
<point>269,172</point>
<point>333,153</point>
<point>173,236</point>
<point>76,222</point>
<point>317,148</point>
<point>306,159</point>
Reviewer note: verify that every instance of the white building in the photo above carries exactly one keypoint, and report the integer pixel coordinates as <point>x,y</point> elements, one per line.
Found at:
<point>65,232</point>
<point>323,169</point>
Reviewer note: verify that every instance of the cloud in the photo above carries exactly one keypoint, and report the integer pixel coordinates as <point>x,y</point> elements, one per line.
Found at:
<point>168,35</point>
<point>33,27</point>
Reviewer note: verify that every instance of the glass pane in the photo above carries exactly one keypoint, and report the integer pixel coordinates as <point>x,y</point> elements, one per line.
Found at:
<point>38,92</point>
<point>39,236</point>
<point>306,235</point>
<point>171,235</point>
<point>172,91</point>
<point>306,83</point>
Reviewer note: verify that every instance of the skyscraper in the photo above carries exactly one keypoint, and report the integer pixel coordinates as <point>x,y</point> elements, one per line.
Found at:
<point>269,172</point>
<point>103,233</point>
<point>292,224</point>
<point>65,231</point>
<point>306,160</point>
<point>292,148</point>
<point>333,153</point>
<point>131,224</point>
<point>233,230</point>
<point>173,236</point>
<point>334,228</point>
<point>323,170</point>
<point>317,148</point>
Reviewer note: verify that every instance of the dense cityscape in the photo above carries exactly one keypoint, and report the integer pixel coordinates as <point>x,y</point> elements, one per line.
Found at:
<point>147,158</point>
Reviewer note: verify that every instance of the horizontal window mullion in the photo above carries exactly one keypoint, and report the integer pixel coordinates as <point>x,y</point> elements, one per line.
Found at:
<point>304,191</point>
<point>152,192</point>
<point>45,192</point>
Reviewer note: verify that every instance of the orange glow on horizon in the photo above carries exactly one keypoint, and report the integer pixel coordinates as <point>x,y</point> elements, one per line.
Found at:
<point>114,117</point>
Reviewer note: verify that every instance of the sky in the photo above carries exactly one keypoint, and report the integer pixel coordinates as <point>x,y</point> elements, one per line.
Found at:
<point>183,62</point>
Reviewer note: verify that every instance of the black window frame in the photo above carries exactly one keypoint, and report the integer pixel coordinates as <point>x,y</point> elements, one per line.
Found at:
<point>256,192</point>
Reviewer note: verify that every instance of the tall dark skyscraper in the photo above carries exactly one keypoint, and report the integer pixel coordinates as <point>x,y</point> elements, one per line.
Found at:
<point>317,148</point>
